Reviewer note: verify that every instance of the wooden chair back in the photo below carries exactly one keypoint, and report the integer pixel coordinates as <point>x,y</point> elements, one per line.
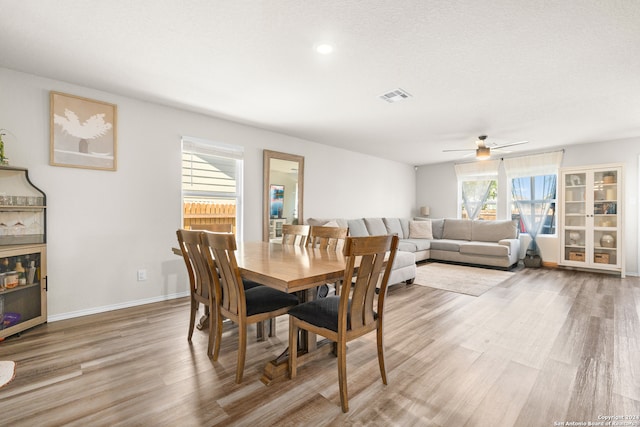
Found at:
<point>216,228</point>
<point>228,288</point>
<point>321,237</point>
<point>369,254</point>
<point>200,284</point>
<point>295,234</point>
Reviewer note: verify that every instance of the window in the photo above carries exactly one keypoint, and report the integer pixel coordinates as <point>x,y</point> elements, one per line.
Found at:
<point>533,182</point>
<point>535,198</point>
<point>211,183</point>
<point>489,208</point>
<point>478,189</point>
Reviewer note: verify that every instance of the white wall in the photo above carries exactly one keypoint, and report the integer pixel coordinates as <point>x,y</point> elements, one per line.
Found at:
<point>103,226</point>
<point>442,197</point>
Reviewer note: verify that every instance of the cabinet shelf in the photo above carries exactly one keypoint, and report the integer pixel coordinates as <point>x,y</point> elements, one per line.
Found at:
<point>22,208</point>
<point>18,288</point>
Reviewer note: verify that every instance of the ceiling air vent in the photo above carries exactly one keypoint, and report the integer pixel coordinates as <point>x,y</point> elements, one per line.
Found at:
<point>395,95</point>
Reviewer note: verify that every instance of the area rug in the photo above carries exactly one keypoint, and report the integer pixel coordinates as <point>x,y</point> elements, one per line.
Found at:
<point>7,372</point>
<point>472,281</point>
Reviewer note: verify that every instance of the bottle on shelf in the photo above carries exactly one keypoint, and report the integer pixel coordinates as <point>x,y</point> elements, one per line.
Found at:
<point>31,274</point>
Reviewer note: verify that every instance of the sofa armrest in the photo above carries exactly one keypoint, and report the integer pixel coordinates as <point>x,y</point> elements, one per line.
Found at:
<point>513,244</point>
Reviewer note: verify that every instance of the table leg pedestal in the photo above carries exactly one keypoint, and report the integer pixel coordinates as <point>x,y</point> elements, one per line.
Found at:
<point>279,367</point>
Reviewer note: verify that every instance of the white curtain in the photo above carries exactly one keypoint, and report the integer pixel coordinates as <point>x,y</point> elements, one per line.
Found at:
<point>533,198</point>
<point>475,180</point>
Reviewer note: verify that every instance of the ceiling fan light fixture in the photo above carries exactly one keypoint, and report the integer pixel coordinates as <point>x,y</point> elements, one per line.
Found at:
<point>324,49</point>
<point>483,153</point>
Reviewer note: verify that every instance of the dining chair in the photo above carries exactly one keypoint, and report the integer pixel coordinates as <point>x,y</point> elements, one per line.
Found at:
<point>217,228</point>
<point>321,237</point>
<point>233,301</point>
<point>199,280</point>
<point>295,234</point>
<point>228,228</point>
<point>354,313</point>
<point>327,238</point>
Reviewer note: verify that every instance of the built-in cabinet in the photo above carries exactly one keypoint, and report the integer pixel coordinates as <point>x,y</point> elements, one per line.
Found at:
<point>275,228</point>
<point>591,227</point>
<point>23,253</point>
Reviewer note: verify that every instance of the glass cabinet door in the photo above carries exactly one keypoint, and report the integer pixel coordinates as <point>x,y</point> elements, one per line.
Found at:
<point>575,215</point>
<point>605,216</point>
<point>22,288</point>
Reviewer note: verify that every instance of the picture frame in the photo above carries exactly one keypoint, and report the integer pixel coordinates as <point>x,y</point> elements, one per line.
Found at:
<point>83,132</point>
<point>276,196</point>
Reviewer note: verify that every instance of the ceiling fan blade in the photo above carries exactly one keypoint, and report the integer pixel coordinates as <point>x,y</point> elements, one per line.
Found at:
<point>460,149</point>
<point>509,144</point>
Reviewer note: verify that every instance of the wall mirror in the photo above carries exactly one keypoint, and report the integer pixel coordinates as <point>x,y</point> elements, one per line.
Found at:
<point>283,193</point>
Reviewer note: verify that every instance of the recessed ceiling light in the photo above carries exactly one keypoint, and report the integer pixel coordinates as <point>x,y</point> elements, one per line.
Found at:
<point>324,49</point>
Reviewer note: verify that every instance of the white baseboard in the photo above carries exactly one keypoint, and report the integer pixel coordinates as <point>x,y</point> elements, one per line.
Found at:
<point>96,310</point>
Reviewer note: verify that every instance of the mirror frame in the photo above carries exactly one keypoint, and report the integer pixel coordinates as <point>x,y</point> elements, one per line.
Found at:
<point>266,168</point>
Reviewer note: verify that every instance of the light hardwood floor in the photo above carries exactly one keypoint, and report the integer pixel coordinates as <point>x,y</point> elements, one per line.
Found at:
<point>545,347</point>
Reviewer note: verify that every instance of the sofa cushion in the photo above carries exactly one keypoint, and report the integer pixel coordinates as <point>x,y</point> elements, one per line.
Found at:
<point>420,230</point>
<point>418,244</point>
<point>323,221</point>
<point>437,227</point>
<point>447,245</point>
<point>317,221</point>
<point>457,229</point>
<point>375,226</point>
<point>357,228</point>
<point>493,231</point>
<point>331,224</point>
<point>394,227</point>
<point>404,223</point>
<point>484,248</point>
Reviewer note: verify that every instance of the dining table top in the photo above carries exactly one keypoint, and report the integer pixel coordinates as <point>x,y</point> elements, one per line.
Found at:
<point>289,268</point>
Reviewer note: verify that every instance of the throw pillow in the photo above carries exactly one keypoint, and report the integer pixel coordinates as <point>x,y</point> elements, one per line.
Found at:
<point>420,230</point>
<point>331,224</point>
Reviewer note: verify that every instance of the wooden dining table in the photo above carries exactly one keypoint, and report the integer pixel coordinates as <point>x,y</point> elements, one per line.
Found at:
<point>291,269</point>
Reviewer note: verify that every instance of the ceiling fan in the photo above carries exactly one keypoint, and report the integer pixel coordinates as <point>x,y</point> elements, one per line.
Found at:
<point>483,151</point>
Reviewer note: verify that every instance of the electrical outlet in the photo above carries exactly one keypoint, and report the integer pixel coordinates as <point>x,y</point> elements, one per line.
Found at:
<point>142,275</point>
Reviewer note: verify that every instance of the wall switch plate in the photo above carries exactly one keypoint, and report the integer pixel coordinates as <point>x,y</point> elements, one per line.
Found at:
<point>142,275</point>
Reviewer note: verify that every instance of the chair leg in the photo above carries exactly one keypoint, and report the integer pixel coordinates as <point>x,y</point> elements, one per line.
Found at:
<point>342,374</point>
<point>192,320</point>
<point>216,317</point>
<point>383,371</point>
<point>212,337</point>
<point>242,350</point>
<point>293,347</point>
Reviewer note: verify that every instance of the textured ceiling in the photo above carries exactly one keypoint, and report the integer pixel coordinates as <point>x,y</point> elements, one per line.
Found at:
<point>552,73</point>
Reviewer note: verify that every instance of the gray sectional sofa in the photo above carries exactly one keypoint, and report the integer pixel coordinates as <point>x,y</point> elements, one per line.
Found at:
<point>479,242</point>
